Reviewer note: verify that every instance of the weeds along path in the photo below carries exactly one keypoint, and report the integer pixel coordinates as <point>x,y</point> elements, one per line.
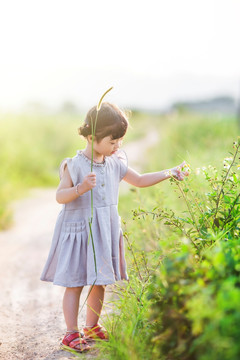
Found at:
<point>31,319</point>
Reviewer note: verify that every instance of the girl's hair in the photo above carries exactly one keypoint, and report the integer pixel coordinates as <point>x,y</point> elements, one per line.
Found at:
<point>111,121</point>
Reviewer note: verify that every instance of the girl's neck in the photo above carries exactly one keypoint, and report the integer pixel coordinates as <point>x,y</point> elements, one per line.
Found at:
<point>98,158</point>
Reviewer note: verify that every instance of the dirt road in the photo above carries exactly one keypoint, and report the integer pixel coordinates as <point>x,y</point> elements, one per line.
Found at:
<point>31,319</point>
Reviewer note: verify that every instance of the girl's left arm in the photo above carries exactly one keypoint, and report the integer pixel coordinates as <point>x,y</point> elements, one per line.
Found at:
<point>149,179</point>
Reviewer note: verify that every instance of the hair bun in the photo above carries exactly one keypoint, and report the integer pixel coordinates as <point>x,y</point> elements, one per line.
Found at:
<point>84,130</point>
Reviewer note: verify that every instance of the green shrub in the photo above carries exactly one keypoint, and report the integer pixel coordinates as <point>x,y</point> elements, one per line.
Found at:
<point>192,260</point>
<point>196,306</point>
<point>195,293</point>
<point>210,216</point>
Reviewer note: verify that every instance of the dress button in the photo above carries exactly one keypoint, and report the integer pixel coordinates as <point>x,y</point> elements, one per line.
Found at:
<point>103,198</point>
<point>103,185</point>
<point>102,171</point>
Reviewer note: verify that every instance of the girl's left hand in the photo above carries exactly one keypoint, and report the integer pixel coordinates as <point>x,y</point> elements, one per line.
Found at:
<point>180,171</point>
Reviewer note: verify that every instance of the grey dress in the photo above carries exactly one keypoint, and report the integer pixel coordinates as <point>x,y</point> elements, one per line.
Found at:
<point>71,259</point>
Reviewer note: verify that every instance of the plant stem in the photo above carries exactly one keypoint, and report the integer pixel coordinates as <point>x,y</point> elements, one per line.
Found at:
<point>223,183</point>
<point>188,206</point>
<point>134,258</point>
<point>93,130</point>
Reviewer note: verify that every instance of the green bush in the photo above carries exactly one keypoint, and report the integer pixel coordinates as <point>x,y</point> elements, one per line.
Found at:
<point>212,215</point>
<point>195,293</point>
<point>196,306</point>
<point>191,247</point>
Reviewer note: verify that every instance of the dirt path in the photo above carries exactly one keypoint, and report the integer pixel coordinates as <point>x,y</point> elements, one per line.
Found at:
<point>31,320</point>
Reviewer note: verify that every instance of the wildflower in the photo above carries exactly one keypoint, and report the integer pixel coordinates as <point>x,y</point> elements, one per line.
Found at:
<point>238,167</point>
<point>197,171</point>
<point>186,168</point>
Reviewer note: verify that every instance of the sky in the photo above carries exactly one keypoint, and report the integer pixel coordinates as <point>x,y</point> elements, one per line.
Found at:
<point>152,52</point>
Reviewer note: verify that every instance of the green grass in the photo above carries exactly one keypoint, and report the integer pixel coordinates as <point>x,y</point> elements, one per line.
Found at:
<point>31,151</point>
<point>201,141</point>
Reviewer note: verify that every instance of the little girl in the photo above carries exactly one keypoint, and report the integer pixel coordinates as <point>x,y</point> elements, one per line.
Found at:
<point>71,259</point>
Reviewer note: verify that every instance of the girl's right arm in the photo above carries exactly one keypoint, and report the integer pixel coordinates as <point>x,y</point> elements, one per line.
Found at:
<point>66,192</point>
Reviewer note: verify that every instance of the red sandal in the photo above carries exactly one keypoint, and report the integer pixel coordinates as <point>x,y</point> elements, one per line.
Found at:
<point>73,341</point>
<point>95,332</point>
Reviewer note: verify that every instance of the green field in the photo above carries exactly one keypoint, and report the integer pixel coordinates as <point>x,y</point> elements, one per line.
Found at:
<point>32,147</point>
<point>182,239</point>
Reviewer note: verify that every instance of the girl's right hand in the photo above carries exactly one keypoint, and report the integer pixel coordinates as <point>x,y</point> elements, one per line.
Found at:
<point>89,181</point>
<point>180,171</point>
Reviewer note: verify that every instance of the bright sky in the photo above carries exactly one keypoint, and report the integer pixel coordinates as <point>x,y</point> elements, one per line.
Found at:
<point>152,52</point>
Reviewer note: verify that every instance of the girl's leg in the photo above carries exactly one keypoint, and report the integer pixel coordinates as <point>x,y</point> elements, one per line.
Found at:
<point>94,304</point>
<point>71,306</point>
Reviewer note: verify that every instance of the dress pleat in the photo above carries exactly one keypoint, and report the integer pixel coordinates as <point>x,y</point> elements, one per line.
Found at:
<point>71,260</point>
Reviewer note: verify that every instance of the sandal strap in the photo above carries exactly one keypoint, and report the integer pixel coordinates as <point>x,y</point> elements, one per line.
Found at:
<point>73,339</point>
<point>74,343</point>
<point>95,330</point>
<point>70,337</point>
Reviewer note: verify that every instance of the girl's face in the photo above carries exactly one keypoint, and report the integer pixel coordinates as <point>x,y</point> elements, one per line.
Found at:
<point>107,146</point>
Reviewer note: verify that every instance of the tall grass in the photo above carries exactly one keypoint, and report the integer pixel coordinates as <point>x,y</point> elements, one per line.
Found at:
<point>138,328</point>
